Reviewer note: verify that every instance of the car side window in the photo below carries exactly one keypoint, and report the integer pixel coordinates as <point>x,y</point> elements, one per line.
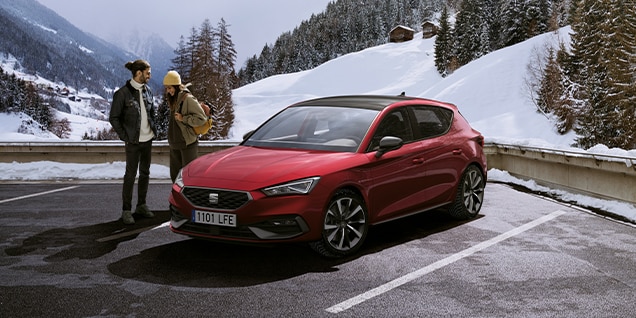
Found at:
<point>432,121</point>
<point>393,124</point>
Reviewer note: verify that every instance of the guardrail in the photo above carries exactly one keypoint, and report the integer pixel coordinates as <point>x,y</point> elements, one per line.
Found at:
<point>598,175</point>
<point>603,176</point>
<point>90,151</point>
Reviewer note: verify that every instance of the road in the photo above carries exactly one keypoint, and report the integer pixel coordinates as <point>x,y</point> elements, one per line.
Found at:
<point>64,253</point>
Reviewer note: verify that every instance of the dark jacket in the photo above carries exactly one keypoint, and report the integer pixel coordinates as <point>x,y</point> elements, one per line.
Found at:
<point>125,112</point>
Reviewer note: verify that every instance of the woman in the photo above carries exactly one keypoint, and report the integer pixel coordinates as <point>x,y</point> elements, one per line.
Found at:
<point>185,113</point>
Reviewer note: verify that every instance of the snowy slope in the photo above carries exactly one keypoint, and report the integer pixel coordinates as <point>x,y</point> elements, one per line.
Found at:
<point>489,91</point>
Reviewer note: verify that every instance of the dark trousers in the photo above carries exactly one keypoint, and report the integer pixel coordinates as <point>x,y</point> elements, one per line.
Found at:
<point>137,157</point>
<point>179,158</point>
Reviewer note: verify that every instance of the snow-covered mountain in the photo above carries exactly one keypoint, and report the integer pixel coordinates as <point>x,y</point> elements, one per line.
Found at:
<point>147,45</point>
<point>48,45</point>
<point>86,112</point>
<point>490,92</point>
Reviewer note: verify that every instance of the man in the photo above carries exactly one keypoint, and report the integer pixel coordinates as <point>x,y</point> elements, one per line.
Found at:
<point>133,118</point>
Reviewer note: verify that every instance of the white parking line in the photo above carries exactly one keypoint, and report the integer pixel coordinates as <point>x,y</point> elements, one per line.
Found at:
<point>37,194</point>
<point>439,264</point>
<point>130,233</point>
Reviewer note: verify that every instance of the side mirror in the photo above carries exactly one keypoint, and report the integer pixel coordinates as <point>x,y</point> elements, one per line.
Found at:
<point>387,144</point>
<point>248,135</point>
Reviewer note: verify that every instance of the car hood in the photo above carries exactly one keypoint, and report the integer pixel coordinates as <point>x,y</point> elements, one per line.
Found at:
<point>248,168</point>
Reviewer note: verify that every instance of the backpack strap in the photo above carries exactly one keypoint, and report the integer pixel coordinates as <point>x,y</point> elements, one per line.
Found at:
<point>183,97</point>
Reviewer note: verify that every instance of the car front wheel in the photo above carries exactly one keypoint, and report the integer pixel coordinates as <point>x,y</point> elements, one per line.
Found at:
<point>344,227</point>
<point>470,194</point>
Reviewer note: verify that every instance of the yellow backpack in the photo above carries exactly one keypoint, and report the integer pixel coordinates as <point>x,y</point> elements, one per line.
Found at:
<point>203,129</point>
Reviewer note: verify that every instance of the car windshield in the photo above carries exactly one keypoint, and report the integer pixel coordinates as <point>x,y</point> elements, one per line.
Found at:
<point>329,128</point>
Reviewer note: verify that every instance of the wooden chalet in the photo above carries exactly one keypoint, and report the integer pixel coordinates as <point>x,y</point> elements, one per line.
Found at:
<point>401,33</point>
<point>429,29</point>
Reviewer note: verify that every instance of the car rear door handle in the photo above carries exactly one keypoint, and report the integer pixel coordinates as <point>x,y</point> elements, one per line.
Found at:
<point>457,152</point>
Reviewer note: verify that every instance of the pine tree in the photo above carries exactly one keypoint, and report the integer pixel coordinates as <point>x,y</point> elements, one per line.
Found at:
<point>553,94</point>
<point>467,32</point>
<point>604,49</point>
<point>537,15</point>
<point>224,111</point>
<point>182,62</point>
<point>443,45</point>
<point>514,28</point>
<point>162,119</point>
<point>620,56</point>
<point>208,58</point>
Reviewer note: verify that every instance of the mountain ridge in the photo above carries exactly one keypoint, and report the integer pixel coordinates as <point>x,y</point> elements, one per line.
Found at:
<point>49,46</point>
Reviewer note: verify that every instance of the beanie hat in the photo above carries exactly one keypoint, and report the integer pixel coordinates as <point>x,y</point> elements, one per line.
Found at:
<point>172,78</point>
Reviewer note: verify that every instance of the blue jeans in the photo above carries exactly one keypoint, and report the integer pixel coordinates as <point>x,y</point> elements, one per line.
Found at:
<point>138,156</point>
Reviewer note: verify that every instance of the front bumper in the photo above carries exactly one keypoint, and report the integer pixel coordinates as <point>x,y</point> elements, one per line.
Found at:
<point>275,228</point>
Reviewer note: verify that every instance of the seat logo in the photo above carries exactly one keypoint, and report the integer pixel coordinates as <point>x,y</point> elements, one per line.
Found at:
<point>213,198</point>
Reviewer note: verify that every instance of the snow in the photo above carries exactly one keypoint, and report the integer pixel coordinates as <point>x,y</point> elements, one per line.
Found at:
<point>490,93</point>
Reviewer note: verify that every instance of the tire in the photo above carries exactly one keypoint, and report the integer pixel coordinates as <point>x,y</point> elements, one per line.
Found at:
<point>470,194</point>
<point>344,227</point>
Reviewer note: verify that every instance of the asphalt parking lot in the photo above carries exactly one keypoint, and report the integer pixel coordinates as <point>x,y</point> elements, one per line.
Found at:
<point>64,253</point>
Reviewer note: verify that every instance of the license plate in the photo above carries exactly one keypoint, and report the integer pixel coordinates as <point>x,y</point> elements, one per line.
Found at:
<point>214,218</point>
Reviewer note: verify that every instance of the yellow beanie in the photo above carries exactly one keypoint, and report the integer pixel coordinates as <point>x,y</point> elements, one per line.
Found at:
<point>172,78</point>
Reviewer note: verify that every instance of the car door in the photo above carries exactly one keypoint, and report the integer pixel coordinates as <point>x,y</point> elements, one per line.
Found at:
<point>395,181</point>
<point>443,157</point>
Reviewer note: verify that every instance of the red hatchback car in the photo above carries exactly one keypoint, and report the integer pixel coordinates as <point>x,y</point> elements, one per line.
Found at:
<point>322,171</point>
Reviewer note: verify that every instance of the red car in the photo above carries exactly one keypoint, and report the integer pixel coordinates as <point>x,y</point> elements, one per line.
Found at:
<point>322,171</point>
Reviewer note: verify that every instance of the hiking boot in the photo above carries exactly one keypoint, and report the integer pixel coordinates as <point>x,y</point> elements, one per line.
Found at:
<point>127,217</point>
<point>143,210</point>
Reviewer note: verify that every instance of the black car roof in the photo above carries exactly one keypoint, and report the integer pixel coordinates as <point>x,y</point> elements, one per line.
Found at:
<point>377,102</point>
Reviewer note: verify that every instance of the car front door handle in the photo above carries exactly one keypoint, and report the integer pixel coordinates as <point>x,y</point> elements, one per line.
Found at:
<point>418,161</point>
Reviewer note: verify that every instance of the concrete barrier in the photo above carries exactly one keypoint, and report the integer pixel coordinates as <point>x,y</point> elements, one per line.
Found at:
<point>90,151</point>
<point>610,177</point>
<point>602,176</point>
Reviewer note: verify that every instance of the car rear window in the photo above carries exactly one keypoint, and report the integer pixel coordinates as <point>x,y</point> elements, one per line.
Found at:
<point>432,121</point>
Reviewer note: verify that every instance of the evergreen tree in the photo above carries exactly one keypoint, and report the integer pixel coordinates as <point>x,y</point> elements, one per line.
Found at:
<point>492,12</point>
<point>443,45</point>
<point>553,96</point>
<point>209,58</point>
<point>182,62</point>
<point>162,119</point>
<point>467,32</point>
<point>620,56</point>
<point>514,28</point>
<point>537,15</point>
<point>223,106</point>
<point>604,48</point>
<point>204,65</point>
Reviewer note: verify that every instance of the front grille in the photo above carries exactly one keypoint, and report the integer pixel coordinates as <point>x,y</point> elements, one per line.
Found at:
<point>216,198</point>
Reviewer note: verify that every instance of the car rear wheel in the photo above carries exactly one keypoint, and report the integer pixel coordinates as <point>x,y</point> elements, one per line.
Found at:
<point>470,194</point>
<point>344,227</point>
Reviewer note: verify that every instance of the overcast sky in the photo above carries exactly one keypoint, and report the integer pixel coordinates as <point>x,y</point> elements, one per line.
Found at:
<point>252,23</point>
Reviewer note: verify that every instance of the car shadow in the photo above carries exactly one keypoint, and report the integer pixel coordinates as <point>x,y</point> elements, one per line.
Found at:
<point>205,264</point>
<point>88,242</point>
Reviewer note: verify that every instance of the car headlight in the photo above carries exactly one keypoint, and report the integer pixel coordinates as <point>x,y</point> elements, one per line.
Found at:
<point>179,179</point>
<point>302,186</point>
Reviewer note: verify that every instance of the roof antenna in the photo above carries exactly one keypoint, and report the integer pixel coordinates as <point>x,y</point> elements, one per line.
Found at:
<point>403,94</point>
